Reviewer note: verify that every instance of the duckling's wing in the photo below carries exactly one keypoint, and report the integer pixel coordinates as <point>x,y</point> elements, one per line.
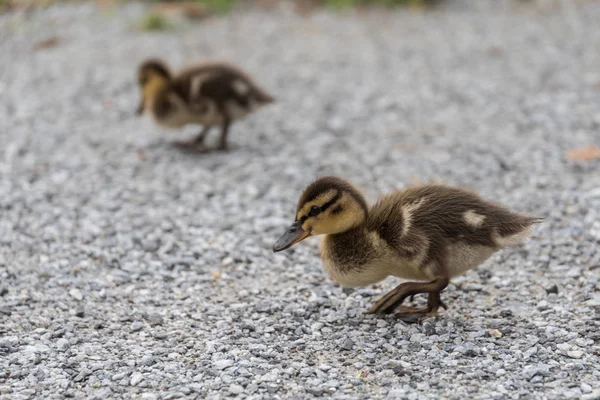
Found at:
<point>168,105</point>
<point>434,216</point>
<point>224,85</point>
<point>392,218</point>
<point>460,215</point>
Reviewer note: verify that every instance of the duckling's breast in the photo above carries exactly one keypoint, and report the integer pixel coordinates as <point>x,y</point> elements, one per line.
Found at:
<point>354,277</point>
<point>175,119</point>
<point>172,111</point>
<point>355,261</point>
<point>208,112</point>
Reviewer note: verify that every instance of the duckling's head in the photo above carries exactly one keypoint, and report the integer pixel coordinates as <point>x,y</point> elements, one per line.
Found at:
<point>329,205</point>
<point>153,75</point>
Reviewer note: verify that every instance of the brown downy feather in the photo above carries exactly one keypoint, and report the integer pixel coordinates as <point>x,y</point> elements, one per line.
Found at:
<point>441,212</point>
<point>219,84</point>
<point>156,65</point>
<point>446,218</point>
<point>417,233</point>
<point>209,94</point>
<point>424,233</point>
<point>326,183</point>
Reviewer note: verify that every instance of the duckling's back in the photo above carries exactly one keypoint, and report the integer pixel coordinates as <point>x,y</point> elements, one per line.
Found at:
<point>449,230</point>
<point>231,90</point>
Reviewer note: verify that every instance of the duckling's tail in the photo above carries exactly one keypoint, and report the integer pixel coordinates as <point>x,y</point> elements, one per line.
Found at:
<point>262,97</point>
<point>516,231</point>
<point>527,220</point>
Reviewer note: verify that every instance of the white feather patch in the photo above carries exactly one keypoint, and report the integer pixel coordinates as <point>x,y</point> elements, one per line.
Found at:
<point>241,87</point>
<point>473,219</point>
<point>512,240</point>
<point>195,86</point>
<point>407,213</point>
<point>198,80</point>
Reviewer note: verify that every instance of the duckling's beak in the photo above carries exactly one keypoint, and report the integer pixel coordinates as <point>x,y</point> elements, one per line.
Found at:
<point>293,235</point>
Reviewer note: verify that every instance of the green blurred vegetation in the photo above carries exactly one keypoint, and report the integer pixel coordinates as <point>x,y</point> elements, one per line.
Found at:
<point>156,22</point>
<point>218,6</point>
<point>341,4</point>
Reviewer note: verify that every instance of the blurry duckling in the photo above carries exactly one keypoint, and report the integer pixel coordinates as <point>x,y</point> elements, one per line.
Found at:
<point>427,233</point>
<point>209,94</point>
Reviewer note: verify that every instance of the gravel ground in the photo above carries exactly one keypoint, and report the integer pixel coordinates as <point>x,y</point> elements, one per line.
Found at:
<point>130,269</point>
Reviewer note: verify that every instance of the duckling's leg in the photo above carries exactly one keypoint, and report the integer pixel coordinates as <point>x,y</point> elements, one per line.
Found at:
<point>198,140</point>
<point>416,315</point>
<point>377,308</point>
<point>394,299</point>
<point>224,132</point>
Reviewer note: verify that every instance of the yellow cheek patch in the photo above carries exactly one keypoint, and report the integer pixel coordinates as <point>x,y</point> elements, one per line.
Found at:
<point>350,215</point>
<point>327,225</point>
<point>155,83</point>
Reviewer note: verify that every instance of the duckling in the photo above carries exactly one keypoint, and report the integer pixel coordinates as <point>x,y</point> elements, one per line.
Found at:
<point>428,233</point>
<point>210,94</point>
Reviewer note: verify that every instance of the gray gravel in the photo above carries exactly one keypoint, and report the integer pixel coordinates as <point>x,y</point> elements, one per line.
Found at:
<point>130,269</point>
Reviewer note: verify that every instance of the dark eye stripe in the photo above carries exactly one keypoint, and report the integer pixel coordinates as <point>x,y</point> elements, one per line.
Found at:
<point>325,206</point>
<point>331,202</point>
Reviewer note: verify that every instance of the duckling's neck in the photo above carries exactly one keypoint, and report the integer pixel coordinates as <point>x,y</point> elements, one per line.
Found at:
<point>349,248</point>
<point>350,258</point>
<point>356,230</point>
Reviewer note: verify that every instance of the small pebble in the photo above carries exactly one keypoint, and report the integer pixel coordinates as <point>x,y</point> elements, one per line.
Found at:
<point>575,354</point>
<point>553,289</point>
<point>137,326</point>
<point>348,344</point>
<point>223,364</point>
<point>496,333</point>
<point>585,388</point>
<point>563,347</point>
<point>63,344</point>
<point>161,335</point>
<point>542,305</point>
<point>76,294</point>
<point>235,389</point>
<point>136,378</point>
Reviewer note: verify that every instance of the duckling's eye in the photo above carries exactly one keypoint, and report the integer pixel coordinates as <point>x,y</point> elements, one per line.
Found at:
<point>314,210</point>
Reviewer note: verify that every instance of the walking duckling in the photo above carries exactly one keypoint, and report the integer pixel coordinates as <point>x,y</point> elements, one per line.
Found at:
<point>427,233</point>
<point>210,94</point>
